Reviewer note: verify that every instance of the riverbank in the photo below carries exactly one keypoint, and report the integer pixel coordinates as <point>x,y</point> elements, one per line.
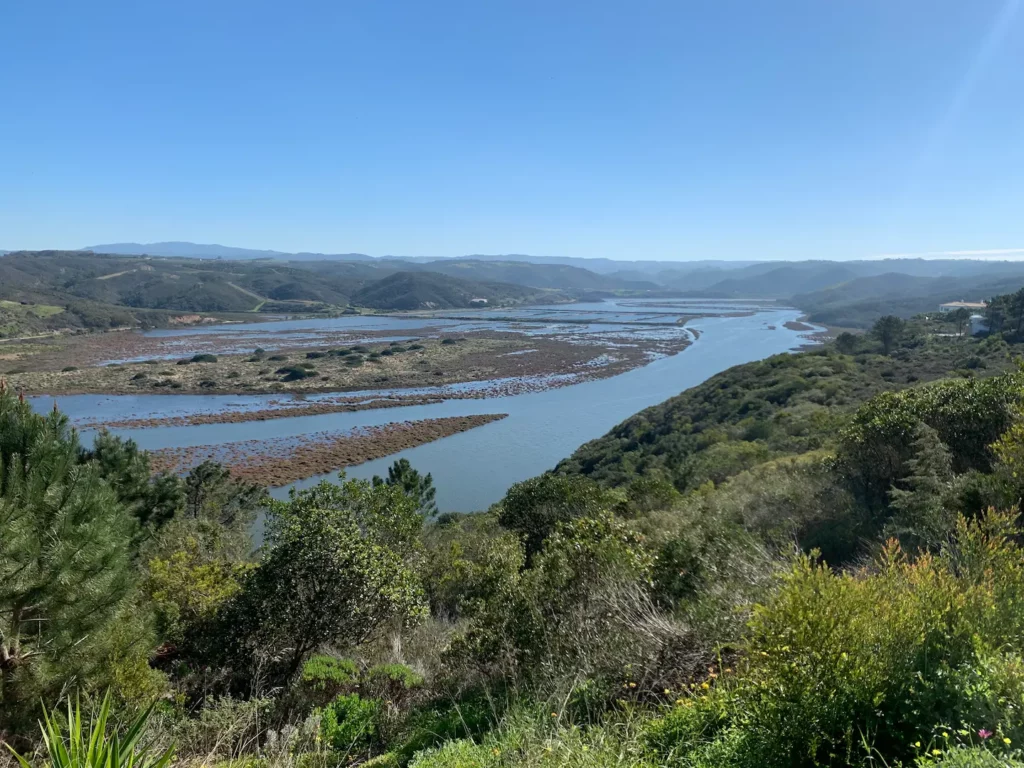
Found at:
<point>279,461</point>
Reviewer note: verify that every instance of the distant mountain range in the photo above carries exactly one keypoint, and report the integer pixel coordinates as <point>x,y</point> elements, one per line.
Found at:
<point>183,276</point>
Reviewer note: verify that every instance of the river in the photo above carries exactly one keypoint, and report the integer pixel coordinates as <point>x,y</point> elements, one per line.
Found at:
<point>473,469</point>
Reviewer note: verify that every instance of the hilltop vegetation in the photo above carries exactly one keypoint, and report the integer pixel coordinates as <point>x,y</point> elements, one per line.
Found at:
<point>799,563</point>
<point>427,290</point>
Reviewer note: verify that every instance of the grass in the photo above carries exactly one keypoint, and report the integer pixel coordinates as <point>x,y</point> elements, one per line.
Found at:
<point>39,310</point>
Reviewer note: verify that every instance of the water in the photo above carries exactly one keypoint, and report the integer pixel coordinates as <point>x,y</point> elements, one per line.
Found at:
<point>473,469</point>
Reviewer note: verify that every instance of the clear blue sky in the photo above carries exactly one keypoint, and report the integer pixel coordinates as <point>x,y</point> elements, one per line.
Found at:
<point>664,130</point>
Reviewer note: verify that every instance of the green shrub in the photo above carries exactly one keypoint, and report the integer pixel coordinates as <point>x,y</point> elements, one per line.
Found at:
<point>349,723</point>
<point>533,508</point>
<point>315,355</point>
<point>203,358</point>
<point>449,341</point>
<point>388,677</point>
<point>322,672</point>
<point>278,358</point>
<point>908,652</point>
<point>68,369</point>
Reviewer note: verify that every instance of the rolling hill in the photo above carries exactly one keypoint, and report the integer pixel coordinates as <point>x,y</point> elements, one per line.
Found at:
<point>432,290</point>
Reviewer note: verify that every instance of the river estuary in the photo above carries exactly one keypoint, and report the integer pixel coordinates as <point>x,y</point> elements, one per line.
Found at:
<point>473,469</point>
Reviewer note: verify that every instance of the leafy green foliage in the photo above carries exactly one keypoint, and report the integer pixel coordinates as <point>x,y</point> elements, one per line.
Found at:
<point>893,656</point>
<point>349,723</point>
<point>335,570</point>
<point>535,507</point>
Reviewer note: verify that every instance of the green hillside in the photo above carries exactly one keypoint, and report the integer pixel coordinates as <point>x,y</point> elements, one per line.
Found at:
<point>431,290</point>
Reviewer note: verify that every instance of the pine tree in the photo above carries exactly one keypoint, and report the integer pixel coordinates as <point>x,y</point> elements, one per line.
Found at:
<point>65,559</point>
<point>418,487</point>
<point>152,500</point>
<point>920,513</point>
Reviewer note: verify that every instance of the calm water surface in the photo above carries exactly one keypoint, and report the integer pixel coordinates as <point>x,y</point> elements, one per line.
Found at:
<point>473,469</point>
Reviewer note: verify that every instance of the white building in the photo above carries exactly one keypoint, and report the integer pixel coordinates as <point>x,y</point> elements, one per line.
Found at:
<point>970,306</point>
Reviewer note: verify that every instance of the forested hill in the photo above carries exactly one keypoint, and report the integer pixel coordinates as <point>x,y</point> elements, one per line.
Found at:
<point>786,404</point>
<point>430,290</point>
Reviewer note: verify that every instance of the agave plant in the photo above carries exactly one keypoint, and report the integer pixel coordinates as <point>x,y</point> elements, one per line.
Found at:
<point>94,747</point>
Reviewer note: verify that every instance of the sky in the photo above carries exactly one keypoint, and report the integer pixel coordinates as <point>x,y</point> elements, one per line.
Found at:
<point>636,129</point>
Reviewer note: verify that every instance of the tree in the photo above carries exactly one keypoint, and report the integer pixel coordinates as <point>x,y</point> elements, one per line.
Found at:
<point>961,317</point>
<point>846,343</point>
<point>533,508</point>
<point>418,487</point>
<point>66,573</point>
<point>888,330</point>
<point>336,569</point>
<point>152,500</point>
<point>919,503</point>
<point>219,510</point>
<point>1016,305</point>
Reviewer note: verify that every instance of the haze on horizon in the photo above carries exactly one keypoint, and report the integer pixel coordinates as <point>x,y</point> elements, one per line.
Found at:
<point>652,130</point>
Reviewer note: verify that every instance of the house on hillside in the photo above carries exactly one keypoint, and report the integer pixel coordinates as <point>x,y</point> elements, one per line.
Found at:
<point>970,306</point>
<point>478,302</point>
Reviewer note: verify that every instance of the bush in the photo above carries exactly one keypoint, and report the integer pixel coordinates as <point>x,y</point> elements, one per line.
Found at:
<point>906,653</point>
<point>68,369</point>
<point>139,377</point>
<point>204,358</point>
<point>315,355</point>
<point>294,373</point>
<point>534,507</point>
<point>208,384</point>
<point>349,723</point>
<point>278,358</point>
<point>449,341</point>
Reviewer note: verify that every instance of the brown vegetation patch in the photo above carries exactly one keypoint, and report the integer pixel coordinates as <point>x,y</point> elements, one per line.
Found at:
<point>280,461</point>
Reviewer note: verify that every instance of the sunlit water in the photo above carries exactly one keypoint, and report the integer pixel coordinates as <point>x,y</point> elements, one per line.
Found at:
<point>473,469</point>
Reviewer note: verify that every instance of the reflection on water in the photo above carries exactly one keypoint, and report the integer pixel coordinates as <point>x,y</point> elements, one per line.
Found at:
<point>473,469</point>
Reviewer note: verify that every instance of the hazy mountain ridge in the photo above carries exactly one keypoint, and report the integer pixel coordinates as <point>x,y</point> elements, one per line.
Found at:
<point>198,277</point>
